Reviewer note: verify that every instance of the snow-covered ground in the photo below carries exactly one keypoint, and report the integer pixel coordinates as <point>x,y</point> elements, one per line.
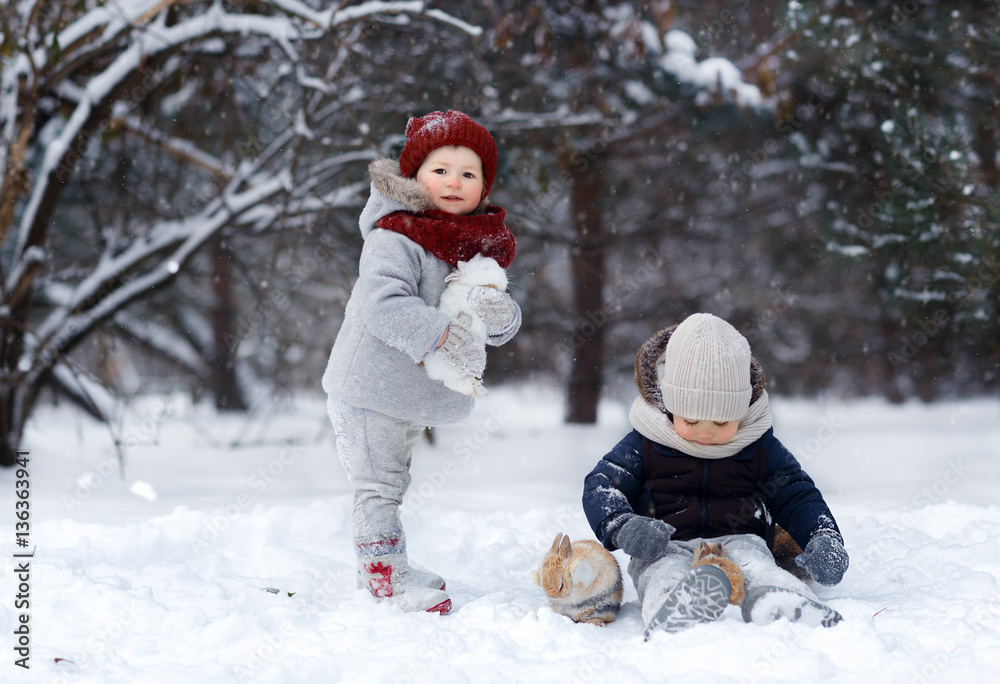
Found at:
<point>157,574</point>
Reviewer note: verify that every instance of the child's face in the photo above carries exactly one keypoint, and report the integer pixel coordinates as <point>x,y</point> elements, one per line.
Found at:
<point>454,177</point>
<point>706,431</point>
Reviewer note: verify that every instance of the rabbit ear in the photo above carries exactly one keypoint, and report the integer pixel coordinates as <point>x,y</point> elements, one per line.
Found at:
<point>565,548</point>
<point>555,544</point>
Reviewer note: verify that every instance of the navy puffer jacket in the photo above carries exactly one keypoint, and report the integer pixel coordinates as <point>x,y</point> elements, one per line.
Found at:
<point>706,506</point>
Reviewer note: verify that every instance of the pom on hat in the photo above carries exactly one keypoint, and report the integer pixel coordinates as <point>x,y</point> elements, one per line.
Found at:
<point>706,371</point>
<point>427,133</point>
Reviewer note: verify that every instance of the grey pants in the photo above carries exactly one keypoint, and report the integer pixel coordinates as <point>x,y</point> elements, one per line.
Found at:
<point>375,450</point>
<point>653,579</point>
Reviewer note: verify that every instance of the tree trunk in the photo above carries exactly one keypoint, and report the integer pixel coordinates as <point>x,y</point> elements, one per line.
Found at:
<point>587,271</point>
<point>11,342</point>
<point>228,395</point>
<point>10,437</point>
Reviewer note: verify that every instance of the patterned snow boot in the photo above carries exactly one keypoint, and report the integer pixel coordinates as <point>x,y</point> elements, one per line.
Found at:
<point>423,578</point>
<point>387,576</point>
<point>701,596</point>
<point>766,604</point>
<point>426,578</point>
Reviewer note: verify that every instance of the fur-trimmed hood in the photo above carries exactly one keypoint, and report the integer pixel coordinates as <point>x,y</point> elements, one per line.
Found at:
<point>392,192</point>
<point>649,370</point>
<point>389,181</point>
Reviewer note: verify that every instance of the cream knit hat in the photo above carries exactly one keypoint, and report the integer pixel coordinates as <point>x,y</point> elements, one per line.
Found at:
<point>706,370</point>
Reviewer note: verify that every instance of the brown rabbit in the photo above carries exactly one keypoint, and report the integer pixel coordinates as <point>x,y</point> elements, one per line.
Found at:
<point>715,554</point>
<point>785,551</point>
<point>582,579</point>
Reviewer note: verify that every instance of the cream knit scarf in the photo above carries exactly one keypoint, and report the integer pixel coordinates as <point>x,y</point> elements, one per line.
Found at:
<point>655,425</point>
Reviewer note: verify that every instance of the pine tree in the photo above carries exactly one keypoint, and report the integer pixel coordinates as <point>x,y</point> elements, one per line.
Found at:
<point>908,148</point>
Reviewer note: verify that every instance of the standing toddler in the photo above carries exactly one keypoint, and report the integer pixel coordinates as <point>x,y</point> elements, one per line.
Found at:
<point>425,214</point>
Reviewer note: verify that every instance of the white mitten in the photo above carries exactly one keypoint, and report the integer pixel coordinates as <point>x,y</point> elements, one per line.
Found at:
<point>460,349</point>
<point>495,307</point>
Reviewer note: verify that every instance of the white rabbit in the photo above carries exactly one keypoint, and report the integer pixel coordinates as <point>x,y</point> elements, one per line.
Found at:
<point>479,270</point>
<point>582,579</point>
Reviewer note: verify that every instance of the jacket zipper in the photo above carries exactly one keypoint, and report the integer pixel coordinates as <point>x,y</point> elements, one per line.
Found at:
<point>704,500</point>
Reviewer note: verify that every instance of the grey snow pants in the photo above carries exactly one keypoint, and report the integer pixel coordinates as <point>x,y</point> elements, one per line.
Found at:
<point>375,450</point>
<point>653,579</point>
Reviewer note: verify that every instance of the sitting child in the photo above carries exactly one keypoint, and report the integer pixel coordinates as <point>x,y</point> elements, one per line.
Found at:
<point>702,463</point>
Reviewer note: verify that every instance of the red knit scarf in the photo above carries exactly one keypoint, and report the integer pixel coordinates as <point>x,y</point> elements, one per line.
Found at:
<point>456,238</point>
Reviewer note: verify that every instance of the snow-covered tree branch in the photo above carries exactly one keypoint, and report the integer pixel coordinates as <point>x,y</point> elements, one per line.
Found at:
<point>73,80</point>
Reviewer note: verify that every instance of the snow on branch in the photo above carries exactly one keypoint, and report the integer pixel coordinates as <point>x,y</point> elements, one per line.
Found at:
<point>328,167</point>
<point>84,391</point>
<point>110,288</point>
<point>163,341</point>
<point>184,150</point>
<point>335,16</point>
<point>97,29</point>
<point>58,155</point>
<point>111,21</point>
<point>511,120</point>
<point>367,9</point>
<point>715,74</point>
<point>301,207</point>
<point>23,272</point>
<point>446,18</point>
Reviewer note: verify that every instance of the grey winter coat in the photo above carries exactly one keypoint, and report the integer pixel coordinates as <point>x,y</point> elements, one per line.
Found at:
<point>390,322</point>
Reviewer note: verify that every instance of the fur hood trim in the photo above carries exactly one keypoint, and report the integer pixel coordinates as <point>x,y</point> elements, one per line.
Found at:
<point>649,367</point>
<point>390,182</point>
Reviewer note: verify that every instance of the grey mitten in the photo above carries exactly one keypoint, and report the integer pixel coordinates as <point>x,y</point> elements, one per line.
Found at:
<point>825,559</point>
<point>494,306</point>
<point>461,350</point>
<point>644,538</point>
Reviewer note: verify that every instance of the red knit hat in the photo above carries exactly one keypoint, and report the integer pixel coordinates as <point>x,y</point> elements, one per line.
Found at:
<point>427,133</point>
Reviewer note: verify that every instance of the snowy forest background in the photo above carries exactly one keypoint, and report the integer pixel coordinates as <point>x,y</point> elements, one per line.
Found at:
<point>180,183</point>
